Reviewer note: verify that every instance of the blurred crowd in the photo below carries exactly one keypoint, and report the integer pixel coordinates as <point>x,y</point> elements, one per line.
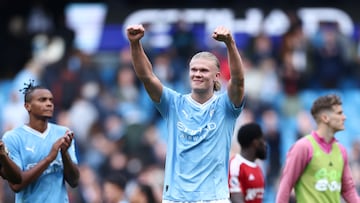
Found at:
<point>120,137</point>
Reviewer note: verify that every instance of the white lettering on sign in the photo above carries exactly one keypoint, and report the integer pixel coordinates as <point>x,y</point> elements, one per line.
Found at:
<point>254,21</point>
<point>312,16</point>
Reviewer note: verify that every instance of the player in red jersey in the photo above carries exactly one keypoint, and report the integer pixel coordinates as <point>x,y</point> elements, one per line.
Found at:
<point>246,179</point>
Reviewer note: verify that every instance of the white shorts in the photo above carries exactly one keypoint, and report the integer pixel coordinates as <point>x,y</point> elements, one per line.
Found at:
<point>202,201</point>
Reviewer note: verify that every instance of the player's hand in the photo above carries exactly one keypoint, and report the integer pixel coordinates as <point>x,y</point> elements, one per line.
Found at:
<point>222,34</point>
<point>135,32</point>
<point>68,137</point>
<point>62,144</point>
<point>55,149</point>
<point>3,150</point>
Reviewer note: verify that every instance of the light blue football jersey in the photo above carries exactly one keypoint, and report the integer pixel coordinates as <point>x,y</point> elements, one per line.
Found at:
<point>198,146</point>
<point>26,148</point>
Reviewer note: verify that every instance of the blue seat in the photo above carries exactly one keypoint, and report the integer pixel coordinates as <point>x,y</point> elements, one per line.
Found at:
<point>288,135</point>
<point>307,97</point>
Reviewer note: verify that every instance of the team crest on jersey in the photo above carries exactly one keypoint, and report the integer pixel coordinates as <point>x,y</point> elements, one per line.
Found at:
<point>251,177</point>
<point>212,112</point>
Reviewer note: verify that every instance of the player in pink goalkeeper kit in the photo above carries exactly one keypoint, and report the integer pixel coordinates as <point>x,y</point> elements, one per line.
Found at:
<point>317,165</point>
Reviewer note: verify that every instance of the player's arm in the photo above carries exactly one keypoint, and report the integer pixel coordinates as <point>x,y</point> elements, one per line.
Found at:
<point>236,197</point>
<point>296,161</point>
<point>348,188</point>
<point>142,64</point>
<point>236,83</point>
<point>8,169</point>
<point>71,170</point>
<point>35,172</point>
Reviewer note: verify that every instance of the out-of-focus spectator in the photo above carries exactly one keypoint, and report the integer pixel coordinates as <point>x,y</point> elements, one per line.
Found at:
<point>272,134</point>
<point>304,123</point>
<point>290,77</point>
<point>183,43</point>
<point>116,162</point>
<point>65,32</point>
<point>253,84</point>
<point>16,43</point>
<point>39,19</point>
<point>245,117</point>
<point>295,67</point>
<point>142,193</point>
<point>89,185</point>
<point>97,148</point>
<point>64,79</point>
<point>153,176</point>
<point>114,188</point>
<point>261,48</point>
<point>13,114</point>
<point>183,40</point>
<point>126,93</point>
<point>290,80</point>
<point>156,144</point>
<point>82,109</point>
<point>329,57</point>
<point>163,69</point>
<point>270,84</point>
<point>262,84</point>
<point>295,59</point>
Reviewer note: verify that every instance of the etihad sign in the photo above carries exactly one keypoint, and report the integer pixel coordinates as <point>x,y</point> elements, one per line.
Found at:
<point>253,22</point>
